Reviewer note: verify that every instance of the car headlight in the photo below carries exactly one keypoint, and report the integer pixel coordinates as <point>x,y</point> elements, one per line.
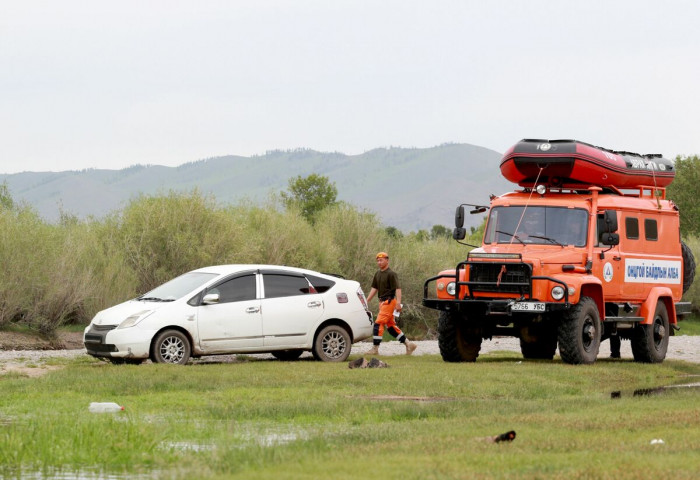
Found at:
<point>134,319</point>
<point>451,288</point>
<point>558,293</point>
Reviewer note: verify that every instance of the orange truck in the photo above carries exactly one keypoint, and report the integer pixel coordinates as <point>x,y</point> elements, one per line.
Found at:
<point>587,250</point>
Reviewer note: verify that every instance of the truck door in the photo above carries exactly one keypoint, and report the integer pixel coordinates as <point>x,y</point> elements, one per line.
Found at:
<point>608,268</point>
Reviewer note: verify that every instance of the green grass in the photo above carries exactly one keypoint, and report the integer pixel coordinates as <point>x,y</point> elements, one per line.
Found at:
<point>420,418</point>
<point>689,325</point>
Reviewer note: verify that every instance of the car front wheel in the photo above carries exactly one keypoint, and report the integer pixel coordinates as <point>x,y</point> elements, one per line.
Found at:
<point>332,344</point>
<point>171,346</point>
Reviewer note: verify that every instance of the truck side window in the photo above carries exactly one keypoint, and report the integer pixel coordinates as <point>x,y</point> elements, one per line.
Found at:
<point>632,228</point>
<point>650,231</point>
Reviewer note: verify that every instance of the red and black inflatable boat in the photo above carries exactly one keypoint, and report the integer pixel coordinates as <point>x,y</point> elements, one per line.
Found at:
<point>561,163</point>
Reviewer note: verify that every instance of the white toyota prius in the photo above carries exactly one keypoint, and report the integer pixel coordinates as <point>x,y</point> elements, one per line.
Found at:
<point>229,309</point>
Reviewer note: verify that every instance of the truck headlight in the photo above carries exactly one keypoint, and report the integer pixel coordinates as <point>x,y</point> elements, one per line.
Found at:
<point>558,293</point>
<point>451,288</point>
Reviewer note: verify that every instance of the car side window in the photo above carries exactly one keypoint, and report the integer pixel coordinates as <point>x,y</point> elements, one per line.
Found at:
<point>280,285</point>
<point>236,289</point>
<point>320,284</point>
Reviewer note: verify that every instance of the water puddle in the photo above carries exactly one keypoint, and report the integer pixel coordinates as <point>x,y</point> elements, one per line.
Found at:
<point>63,474</point>
<point>645,392</point>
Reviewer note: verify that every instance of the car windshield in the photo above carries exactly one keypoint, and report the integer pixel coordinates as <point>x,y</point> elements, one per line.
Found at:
<point>537,225</point>
<point>178,287</point>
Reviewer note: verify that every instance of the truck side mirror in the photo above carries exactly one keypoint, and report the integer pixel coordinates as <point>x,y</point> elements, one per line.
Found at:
<point>610,219</point>
<point>459,218</point>
<point>459,233</point>
<point>610,238</point>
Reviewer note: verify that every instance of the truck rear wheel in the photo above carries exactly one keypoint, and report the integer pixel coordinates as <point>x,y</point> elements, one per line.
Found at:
<point>538,340</point>
<point>579,333</point>
<point>650,342</point>
<point>457,341</point>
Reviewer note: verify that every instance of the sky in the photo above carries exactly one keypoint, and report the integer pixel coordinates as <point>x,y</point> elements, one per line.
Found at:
<point>110,84</point>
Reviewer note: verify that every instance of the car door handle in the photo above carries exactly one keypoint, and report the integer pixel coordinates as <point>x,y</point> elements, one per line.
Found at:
<point>314,304</point>
<point>252,310</point>
<point>617,258</point>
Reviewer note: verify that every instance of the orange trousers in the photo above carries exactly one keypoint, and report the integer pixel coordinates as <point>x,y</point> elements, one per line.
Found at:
<point>385,318</point>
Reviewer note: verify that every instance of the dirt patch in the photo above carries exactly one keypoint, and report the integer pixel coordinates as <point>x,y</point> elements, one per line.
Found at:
<point>27,341</point>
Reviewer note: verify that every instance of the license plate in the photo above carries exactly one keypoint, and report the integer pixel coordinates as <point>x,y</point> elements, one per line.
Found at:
<point>528,307</point>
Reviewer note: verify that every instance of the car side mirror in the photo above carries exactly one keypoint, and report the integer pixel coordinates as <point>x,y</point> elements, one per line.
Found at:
<point>459,218</point>
<point>210,299</point>
<point>610,239</point>
<point>459,233</point>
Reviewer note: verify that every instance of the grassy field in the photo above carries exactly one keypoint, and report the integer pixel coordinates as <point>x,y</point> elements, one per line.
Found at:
<point>419,419</point>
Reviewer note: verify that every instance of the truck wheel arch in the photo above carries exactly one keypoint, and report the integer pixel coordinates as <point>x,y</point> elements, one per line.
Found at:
<point>595,291</point>
<point>658,294</point>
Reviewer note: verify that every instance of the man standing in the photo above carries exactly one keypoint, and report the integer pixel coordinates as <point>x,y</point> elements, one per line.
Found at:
<point>386,284</point>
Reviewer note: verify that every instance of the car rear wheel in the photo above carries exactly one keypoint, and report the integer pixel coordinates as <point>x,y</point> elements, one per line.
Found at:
<point>171,346</point>
<point>287,355</point>
<point>580,332</point>
<point>332,344</point>
<point>650,342</point>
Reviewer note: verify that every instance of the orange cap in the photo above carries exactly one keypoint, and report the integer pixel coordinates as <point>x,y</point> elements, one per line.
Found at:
<point>382,255</point>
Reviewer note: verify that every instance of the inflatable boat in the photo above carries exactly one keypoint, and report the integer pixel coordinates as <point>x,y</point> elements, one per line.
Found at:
<point>562,163</point>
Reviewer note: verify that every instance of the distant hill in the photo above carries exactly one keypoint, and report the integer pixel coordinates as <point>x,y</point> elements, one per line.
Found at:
<point>409,188</point>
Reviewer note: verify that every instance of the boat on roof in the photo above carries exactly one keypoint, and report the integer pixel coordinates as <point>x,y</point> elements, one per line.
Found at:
<point>570,163</point>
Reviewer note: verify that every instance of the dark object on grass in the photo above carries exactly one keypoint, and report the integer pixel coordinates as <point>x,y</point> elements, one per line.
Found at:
<point>504,437</point>
<point>359,363</point>
<point>363,363</point>
<point>376,363</point>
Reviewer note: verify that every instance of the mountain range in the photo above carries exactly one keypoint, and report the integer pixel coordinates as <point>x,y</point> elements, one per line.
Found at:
<point>409,188</point>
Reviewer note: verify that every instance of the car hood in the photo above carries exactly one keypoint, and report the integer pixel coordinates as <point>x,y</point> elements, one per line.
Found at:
<point>118,313</point>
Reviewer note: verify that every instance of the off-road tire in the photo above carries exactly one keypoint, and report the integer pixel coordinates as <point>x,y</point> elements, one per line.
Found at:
<point>457,341</point>
<point>579,333</point>
<point>688,266</point>
<point>538,341</point>
<point>287,355</point>
<point>650,342</point>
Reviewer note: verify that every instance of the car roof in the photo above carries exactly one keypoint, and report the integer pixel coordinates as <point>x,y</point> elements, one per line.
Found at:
<point>234,268</point>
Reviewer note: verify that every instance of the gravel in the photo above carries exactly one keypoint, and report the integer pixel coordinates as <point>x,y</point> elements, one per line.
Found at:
<point>683,347</point>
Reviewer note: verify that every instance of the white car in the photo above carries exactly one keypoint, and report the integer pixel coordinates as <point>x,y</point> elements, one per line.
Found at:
<point>235,309</point>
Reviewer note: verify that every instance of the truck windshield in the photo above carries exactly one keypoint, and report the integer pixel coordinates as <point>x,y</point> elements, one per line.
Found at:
<point>537,225</point>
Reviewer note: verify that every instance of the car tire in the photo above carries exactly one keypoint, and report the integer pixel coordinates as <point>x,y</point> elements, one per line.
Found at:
<point>457,341</point>
<point>650,342</point>
<point>579,333</point>
<point>287,355</point>
<point>332,344</point>
<point>171,346</point>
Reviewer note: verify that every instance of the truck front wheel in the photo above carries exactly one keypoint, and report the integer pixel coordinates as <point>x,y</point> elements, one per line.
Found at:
<point>579,333</point>
<point>458,342</point>
<point>650,342</point>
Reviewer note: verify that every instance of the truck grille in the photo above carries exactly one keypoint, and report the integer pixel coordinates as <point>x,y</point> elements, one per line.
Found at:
<point>483,277</point>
